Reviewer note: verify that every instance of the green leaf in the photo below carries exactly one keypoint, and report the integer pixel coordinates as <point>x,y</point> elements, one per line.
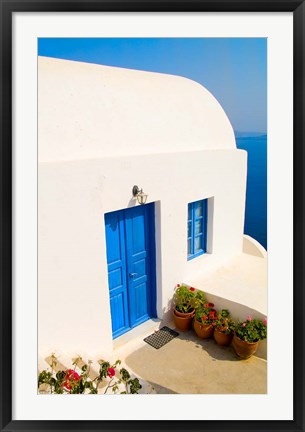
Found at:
<point>60,375</point>
<point>125,374</point>
<point>134,385</point>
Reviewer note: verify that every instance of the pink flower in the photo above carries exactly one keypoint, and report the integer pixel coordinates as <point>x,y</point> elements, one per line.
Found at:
<point>192,289</point>
<point>71,378</point>
<point>265,321</point>
<point>111,372</point>
<point>244,324</point>
<point>249,318</point>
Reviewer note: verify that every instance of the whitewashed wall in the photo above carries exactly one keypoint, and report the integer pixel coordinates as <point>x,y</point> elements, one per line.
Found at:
<point>74,309</point>
<point>102,130</point>
<point>87,111</point>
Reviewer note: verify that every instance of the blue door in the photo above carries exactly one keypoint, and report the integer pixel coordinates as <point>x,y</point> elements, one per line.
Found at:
<point>130,241</point>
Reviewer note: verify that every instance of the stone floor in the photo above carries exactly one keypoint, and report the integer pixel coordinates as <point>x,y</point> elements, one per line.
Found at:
<point>189,365</point>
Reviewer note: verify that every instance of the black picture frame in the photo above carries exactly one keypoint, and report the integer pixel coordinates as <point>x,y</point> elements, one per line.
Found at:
<point>7,9</point>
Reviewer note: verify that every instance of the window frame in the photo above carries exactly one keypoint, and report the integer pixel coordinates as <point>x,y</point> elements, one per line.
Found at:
<point>203,235</point>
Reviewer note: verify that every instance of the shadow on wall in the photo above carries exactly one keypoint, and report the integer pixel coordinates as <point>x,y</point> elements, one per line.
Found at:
<point>66,365</point>
<point>239,311</point>
<point>167,311</point>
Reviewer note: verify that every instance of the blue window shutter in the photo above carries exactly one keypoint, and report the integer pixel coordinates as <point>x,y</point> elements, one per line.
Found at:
<point>197,228</point>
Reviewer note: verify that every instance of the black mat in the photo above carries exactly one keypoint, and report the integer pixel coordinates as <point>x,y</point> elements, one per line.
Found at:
<point>161,337</point>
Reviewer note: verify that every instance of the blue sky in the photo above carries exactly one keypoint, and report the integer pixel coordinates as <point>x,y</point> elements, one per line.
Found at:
<point>234,70</point>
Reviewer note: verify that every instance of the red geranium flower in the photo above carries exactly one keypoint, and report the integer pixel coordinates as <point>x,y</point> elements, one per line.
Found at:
<point>70,379</point>
<point>111,372</point>
<point>265,321</point>
<point>204,317</point>
<point>178,285</point>
<point>192,289</point>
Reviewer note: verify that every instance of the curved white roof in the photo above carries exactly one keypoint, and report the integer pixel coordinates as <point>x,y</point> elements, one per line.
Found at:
<point>90,111</point>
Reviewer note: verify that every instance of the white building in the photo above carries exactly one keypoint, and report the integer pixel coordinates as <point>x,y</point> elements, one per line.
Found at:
<point>101,131</point>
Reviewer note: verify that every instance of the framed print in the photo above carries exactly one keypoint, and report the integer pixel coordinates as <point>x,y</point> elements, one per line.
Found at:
<point>152,215</point>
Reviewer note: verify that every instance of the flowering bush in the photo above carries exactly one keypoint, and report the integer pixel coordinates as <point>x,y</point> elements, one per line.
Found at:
<point>70,379</point>
<point>186,299</point>
<point>251,330</point>
<point>71,382</point>
<point>199,299</point>
<point>206,314</point>
<point>224,323</point>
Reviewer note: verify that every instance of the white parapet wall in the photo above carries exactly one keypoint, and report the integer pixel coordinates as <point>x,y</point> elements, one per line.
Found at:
<point>240,285</point>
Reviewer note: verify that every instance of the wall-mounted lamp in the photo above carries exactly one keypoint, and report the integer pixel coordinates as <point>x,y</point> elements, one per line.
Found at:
<point>139,194</point>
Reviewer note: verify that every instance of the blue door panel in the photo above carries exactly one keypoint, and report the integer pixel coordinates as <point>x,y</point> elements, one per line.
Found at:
<point>117,282</point>
<point>141,301</point>
<point>117,307</point>
<point>115,278</point>
<point>140,267</point>
<point>113,234</point>
<point>135,223</point>
<point>137,257</point>
<point>131,261</point>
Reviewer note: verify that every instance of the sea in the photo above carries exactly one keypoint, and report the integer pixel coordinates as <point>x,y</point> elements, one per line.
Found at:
<point>256,197</point>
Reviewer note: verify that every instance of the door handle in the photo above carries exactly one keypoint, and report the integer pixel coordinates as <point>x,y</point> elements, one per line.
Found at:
<point>132,275</point>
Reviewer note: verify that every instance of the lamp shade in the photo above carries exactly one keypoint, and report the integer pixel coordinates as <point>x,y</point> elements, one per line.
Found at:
<point>142,197</point>
<point>139,194</point>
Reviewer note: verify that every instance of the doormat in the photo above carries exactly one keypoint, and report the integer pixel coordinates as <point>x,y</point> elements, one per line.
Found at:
<point>161,337</point>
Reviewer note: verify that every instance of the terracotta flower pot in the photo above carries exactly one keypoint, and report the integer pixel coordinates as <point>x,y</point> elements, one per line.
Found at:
<point>221,338</point>
<point>244,349</point>
<point>183,321</point>
<point>185,314</point>
<point>203,331</point>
